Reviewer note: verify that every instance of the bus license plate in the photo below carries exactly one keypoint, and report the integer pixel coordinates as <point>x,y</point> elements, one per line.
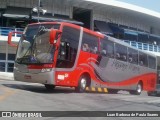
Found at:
<point>27,77</point>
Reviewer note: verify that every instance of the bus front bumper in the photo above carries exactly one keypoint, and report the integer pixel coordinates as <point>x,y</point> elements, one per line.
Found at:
<point>41,77</point>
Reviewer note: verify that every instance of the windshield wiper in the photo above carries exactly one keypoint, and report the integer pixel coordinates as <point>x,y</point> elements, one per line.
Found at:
<point>28,60</point>
<point>21,60</point>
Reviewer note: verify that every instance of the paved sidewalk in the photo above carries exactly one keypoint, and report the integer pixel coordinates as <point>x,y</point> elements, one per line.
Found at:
<point>6,76</point>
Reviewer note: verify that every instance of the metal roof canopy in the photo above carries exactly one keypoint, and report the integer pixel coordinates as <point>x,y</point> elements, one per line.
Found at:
<point>117,7</point>
<point>17,12</point>
<point>127,6</point>
<point>49,17</point>
<point>46,16</point>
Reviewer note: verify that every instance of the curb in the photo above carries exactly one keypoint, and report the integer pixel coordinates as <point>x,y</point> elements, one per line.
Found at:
<point>6,76</point>
<point>96,90</point>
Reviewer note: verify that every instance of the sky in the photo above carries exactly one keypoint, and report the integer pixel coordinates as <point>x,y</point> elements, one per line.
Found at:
<point>149,4</point>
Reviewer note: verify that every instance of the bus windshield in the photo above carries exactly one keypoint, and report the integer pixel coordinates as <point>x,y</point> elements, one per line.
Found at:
<point>34,46</point>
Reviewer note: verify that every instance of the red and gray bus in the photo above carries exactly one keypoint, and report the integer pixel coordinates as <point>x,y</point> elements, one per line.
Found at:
<point>64,54</point>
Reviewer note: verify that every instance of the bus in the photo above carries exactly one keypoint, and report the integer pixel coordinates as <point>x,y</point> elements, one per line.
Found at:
<point>64,54</point>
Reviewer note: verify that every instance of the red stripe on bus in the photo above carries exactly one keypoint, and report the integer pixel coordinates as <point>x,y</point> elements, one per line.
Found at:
<point>40,66</point>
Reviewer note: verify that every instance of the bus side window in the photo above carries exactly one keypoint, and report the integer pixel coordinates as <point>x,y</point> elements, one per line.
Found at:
<point>132,56</point>
<point>110,49</point>
<point>89,43</point>
<point>85,47</point>
<point>107,48</point>
<point>120,52</point>
<point>152,62</point>
<point>143,61</point>
<point>103,52</point>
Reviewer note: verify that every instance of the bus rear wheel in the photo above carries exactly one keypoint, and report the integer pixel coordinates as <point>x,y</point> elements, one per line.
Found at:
<point>49,87</point>
<point>82,84</point>
<point>137,91</point>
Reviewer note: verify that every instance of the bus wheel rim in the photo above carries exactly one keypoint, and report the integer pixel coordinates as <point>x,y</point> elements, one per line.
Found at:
<point>139,89</point>
<point>83,83</point>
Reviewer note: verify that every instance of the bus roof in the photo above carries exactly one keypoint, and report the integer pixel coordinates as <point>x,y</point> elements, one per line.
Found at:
<point>38,23</point>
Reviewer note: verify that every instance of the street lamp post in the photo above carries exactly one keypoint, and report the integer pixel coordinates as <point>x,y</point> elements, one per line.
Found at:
<point>39,5</point>
<point>39,9</point>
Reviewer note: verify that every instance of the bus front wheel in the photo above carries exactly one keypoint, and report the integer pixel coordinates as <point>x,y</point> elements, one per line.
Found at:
<point>137,91</point>
<point>82,84</point>
<point>49,87</point>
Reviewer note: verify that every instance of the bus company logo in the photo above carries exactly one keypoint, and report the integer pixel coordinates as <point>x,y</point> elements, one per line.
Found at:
<point>6,114</point>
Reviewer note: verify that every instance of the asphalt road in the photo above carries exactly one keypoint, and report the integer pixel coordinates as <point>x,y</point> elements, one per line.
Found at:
<point>20,96</point>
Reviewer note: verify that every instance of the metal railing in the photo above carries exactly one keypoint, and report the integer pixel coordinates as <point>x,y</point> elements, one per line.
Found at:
<point>5,30</point>
<point>144,46</point>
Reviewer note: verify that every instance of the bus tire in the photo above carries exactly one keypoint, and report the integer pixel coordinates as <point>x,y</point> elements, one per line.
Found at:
<point>82,84</point>
<point>137,91</point>
<point>49,87</point>
<point>112,91</point>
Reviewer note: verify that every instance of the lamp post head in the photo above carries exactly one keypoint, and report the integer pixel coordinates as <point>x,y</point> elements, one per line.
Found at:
<point>39,9</point>
<point>44,11</point>
<point>35,9</point>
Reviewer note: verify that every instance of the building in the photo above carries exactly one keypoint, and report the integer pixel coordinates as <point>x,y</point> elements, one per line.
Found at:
<point>135,25</point>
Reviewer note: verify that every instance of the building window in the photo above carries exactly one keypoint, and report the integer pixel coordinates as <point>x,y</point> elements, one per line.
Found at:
<point>10,67</point>
<point>11,57</point>
<point>2,67</point>
<point>2,56</point>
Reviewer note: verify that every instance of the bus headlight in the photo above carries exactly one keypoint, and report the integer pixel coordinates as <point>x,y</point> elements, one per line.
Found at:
<point>46,70</point>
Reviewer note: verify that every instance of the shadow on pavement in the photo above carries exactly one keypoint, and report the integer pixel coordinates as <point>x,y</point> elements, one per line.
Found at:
<point>40,89</point>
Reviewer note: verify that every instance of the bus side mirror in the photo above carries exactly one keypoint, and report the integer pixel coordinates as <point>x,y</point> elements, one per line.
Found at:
<point>10,38</point>
<point>53,36</point>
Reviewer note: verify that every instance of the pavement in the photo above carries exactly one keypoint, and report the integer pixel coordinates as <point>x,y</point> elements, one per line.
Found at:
<point>22,96</point>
